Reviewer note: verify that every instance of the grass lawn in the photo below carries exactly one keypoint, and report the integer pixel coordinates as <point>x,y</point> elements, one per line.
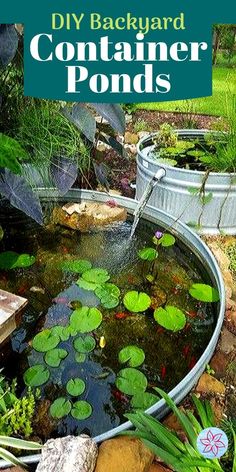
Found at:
<point>224,83</point>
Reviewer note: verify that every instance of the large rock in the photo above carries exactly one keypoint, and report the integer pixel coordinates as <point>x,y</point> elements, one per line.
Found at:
<point>227,341</point>
<point>88,215</point>
<point>69,454</point>
<point>158,468</point>
<point>208,384</point>
<point>15,469</point>
<point>123,454</point>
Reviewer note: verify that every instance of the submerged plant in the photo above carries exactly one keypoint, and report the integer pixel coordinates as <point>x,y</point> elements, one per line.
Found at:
<point>166,136</point>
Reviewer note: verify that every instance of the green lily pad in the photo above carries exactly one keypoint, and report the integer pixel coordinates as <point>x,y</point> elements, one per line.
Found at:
<point>85,319</point>
<point>75,387</point>
<point>131,381</point>
<point>143,400</point>
<point>167,240</point>
<point>54,357</point>
<point>204,293</point>
<point>133,355</point>
<point>81,410</point>
<point>60,407</point>
<point>13,260</point>
<point>45,341</point>
<point>136,301</point>
<point>108,294</point>
<point>36,375</point>
<point>80,357</point>
<point>148,254</point>
<point>170,318</point>
<point>87,285</point>
<point>96,276</point>
<point>79,266</point>
<point>62,331</point>
<point>84,345</point>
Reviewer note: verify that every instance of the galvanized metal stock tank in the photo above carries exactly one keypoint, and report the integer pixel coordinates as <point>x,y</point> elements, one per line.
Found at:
<point>193,243</point>
<point>173,196</point>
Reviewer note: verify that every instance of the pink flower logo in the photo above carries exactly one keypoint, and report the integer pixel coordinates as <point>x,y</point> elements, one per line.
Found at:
<point>212,443</point>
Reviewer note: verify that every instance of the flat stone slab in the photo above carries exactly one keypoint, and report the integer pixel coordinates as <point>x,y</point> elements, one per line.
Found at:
<point>10,308</point>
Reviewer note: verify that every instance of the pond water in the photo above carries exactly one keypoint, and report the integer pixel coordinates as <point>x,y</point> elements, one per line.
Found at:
<point>53,293</point>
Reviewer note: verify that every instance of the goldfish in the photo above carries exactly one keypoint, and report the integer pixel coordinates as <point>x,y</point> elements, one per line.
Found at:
<point>121,316</point>
<point>102,342</point>
<point>163,372</point>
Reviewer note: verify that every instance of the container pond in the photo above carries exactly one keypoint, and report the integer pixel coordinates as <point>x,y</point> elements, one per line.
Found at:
<point>108,318</point>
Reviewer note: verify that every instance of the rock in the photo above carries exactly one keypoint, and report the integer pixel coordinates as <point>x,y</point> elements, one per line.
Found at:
<point>208,384</point>
<point>158,468</point>
<point>68,454</point>
<point>131,138</point>
<point>88,215</point>
<point>172,422</point>
<point>123,454</point>
<point>227,341</point>
<point>219,364</point>
<point>222,259</point>
<point>15,469</point>
<point>231,318</point>
<point>218,410</point>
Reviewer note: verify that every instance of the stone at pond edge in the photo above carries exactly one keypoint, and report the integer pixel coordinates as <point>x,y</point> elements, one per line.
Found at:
<point>131,138</point>
<point>208,384</point>
<point>219,363</point>
<point>15,469</point>
<point>227,341</point>
<point>88,215</point>
<point>67,454</point>
<point>123,454</point>
<point>158,468</point>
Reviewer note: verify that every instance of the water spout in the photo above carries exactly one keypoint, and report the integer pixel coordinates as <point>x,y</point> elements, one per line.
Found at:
<point>144,200</point>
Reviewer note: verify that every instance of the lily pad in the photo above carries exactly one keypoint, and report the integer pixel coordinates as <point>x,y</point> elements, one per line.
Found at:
<point>54,357</point>
<point>84,345</point>
<point>148,254</point>
<point>75,387</point>
<point>167,240</point>
<point>87,285</point>
<point>108,294</point>
<point>36,375</point>
<point>96,276</point>
<point>133,355</point>
<point>204,293</point>
<point>60,407</point>
<point>80,357</point>
<point>62,331</point>
<point>136,301</point>
<point>79,266</point>
<point>45,341</point>
<point>143,400</point>
<point>13,260</point>
<point>170,318</point>
<point>131,381</point>
<point>85,319</point>
<point>81,410</point>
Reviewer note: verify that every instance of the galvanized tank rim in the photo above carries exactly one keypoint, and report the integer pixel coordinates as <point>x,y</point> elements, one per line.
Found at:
<point>180,132</point>
<point>195,244</point>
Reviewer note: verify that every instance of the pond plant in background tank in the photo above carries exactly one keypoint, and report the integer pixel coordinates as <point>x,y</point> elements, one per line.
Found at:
<point>199,186</point>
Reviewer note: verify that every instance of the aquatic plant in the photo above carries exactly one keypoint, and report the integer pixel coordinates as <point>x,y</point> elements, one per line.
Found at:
<point>148,254</point>
<point>75,387</point>
<point>131,381</point>
<point>77,266</point>
<point>108,294</point>
<point>136,302</point>
<point>143,400</point>
<point>53,357</point>
<point>60,407</point>
<point>12,260</point>
<point>134,356</point>
<point>204,293</point>
<point>11,153</point>
<point>181,456</point>
<point>36,375</point>
<point>84,344</point>
<point>166,136</point>
<point>170,317</point>
<point>85,319</point>
<point>81,410</point>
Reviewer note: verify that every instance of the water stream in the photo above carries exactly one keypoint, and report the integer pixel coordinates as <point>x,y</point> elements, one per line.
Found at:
<point>144,200</point>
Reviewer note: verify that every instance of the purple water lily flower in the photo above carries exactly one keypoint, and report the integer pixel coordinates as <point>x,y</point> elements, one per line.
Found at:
<point>158,234</point>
